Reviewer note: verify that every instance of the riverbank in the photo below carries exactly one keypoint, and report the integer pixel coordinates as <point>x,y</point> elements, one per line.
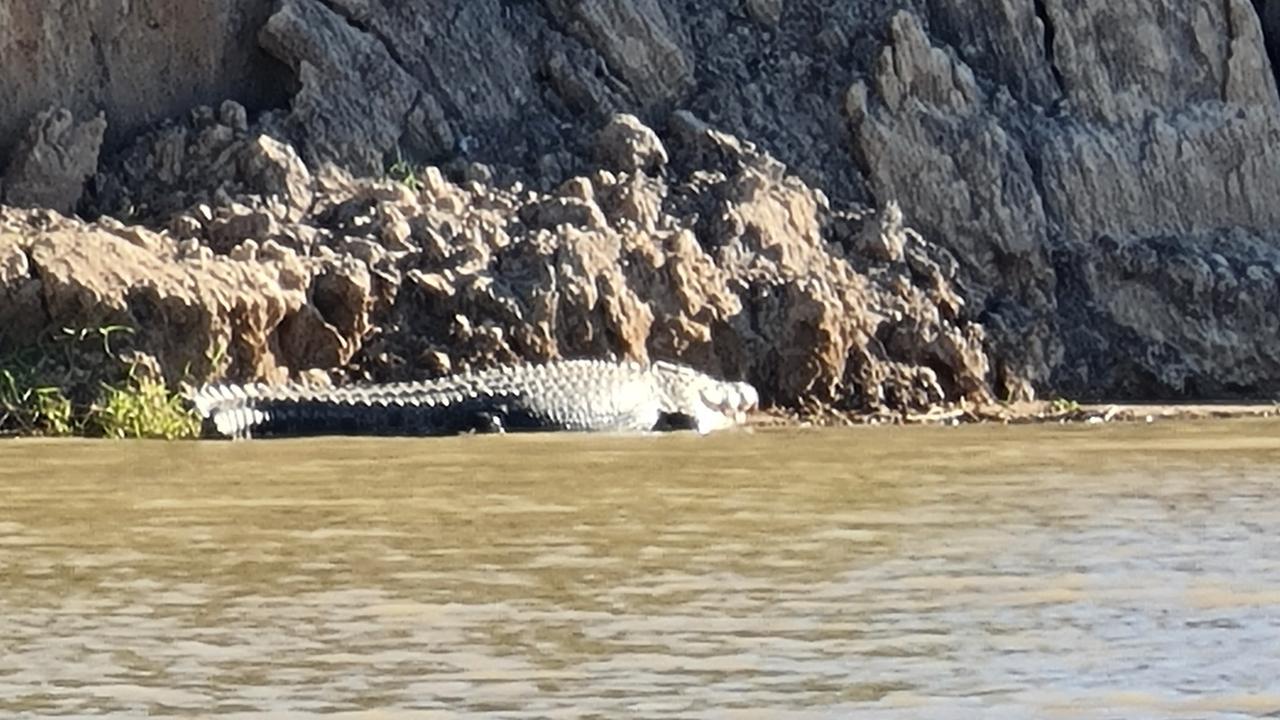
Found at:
<point>144,408</point>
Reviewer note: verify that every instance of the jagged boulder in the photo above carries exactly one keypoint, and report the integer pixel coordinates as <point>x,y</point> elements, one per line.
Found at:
<point>625,144</point>
<point>199,314</point>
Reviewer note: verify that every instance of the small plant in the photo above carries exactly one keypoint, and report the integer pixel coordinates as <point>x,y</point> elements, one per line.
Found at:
<point>14,398</point>
<point>105,332</point>
<point>29,408</point>
<point>143,408</point>
<point>215,355</point>
<point>403,172</point>
<point>1063,406</point>
<point>53,411</point>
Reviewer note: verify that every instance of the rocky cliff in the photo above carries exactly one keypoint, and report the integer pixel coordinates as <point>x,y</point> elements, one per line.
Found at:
<point>868,205</point>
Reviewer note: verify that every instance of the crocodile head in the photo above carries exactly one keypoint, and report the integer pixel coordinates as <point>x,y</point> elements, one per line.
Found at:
<point>723,405</point>
<point>702,402</point>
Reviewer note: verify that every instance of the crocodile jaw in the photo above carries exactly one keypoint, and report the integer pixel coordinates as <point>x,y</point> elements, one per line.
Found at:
<point>723,405</point>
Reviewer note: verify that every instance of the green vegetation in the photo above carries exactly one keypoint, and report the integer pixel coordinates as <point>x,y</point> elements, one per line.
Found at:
<point>143,408</point>
<point>403,172</point>
<point>1063,406</point>
<point>75,382</point>
<point>27,407</point>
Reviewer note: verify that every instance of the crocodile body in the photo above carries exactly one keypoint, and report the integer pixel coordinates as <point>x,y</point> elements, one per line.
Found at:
<point>569,395</point>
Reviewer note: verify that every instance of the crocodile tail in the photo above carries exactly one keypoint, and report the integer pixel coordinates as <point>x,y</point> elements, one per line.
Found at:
<point>241,412</point>
<point>229,408</point>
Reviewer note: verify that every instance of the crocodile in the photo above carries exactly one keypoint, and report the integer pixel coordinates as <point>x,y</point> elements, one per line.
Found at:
<point>567,395</point>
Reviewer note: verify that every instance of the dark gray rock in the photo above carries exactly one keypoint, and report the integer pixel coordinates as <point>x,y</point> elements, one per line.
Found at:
<point>53,160</point>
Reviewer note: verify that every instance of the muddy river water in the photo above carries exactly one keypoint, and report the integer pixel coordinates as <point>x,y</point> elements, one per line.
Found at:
<point>1126,571</point>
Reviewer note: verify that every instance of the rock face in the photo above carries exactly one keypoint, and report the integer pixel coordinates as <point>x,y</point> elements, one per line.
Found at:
<point>354,98</point>
<point>1146,136</point>
<point>739,269</point>
<point>1009,198</point>
<point>137,62</point>
<point>262,312</point>
<point>53,161</point>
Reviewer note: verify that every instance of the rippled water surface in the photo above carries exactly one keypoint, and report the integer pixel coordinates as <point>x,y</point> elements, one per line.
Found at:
<point>1126,572</point>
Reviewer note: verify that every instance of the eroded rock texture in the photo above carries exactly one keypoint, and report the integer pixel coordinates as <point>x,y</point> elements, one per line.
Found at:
<point>874,204</point>
<point>740,268</point>
<point>53,160</point>
<point>1077,162</point>
<point>138,62</point>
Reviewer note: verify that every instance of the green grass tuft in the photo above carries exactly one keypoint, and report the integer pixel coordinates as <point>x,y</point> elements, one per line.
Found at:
<point>404,172</point>
<point>27,407</point>
<point>1063,406</point>
<point>75,382</point>
<point>143,408</point>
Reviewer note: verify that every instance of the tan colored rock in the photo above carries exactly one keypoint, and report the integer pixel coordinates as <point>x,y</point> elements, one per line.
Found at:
<point>343,293</point>
<point>22,315</point>
<point>884,241</point>
<point>627,145</point>
<point>636,201</point>
<point>235,223</point>
<point>270,167</point>
<point>14,263</point>
<point>197,313</point>
<point>312,342</point>
<point>553,213</point>
<point>181,311</point>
